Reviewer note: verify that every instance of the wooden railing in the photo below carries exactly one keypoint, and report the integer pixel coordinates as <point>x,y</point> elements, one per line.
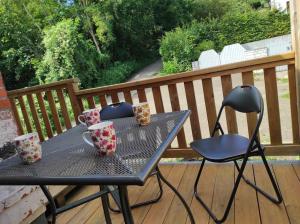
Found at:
<point>32,104</point>
<point>200,91</point>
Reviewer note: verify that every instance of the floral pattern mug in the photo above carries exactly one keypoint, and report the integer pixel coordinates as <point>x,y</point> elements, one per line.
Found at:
<point>29,147</point>
<point>142,113</point>
<point>90,117</point>
<point>103,136</point>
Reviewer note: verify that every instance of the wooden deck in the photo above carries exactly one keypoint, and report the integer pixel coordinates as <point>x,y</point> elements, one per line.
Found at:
<point>217,181</point>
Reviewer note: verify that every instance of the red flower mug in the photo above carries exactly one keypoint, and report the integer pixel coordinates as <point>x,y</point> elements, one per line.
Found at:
<point>90,117</point>
<point>29,147</point>
<point>103,137</point>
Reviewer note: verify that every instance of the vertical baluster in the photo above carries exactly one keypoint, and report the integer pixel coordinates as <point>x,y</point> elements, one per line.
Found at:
<point>192,105</point>
<point>102,100</point>
<point>16,116</point>
<point>176,107</point>
<point>273,105</point>
<point>159,106</point>
<point>142,95</point>
<point>248,79</point>
<point>127,96</point>
<point>25,114</point>
<point>63,107</point>
<point>44,114</point>
<point>54,112</point>
<point>114,97</point>
<point>230,113</point>
<point>293,103</point>
<point>91,102</point>
<point>209,103</point>
<point>75,102</point>
<point>35,117</point>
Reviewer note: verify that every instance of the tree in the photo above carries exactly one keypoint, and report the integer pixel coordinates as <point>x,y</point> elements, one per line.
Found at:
<point>68,54</point>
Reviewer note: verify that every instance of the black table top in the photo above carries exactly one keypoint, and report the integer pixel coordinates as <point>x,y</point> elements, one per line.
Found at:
<point>67,159</point>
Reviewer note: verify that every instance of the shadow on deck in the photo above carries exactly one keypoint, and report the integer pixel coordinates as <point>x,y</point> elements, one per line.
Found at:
<point>216,184</point>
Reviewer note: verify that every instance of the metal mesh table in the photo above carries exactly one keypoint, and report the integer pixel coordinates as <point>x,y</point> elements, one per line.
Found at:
<point>68,160</point>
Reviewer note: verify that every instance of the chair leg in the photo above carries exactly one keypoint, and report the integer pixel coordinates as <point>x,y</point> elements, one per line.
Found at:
<point>277,200</point>
<point>144,203</point>
<point>209,211</point>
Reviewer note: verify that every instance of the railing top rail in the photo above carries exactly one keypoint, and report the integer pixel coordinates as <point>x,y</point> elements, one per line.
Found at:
<point>37,88</point>
<point>275,60</point>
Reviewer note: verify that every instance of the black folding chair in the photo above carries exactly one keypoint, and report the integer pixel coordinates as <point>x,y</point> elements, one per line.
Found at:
<point>232,147</point>
<point>120,110</point>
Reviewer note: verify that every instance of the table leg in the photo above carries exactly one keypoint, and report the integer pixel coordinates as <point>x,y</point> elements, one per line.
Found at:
<point>51,203</point>
<point>125,207</point>
<point>104,200</point>
<point>179,196</point>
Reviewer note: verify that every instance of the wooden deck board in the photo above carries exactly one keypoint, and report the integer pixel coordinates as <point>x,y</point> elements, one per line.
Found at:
<point>215,187</point>
<point>270,213</point>
<point>246,207</point>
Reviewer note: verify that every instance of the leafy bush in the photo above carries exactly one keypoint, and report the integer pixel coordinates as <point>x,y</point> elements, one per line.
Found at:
<point>178,46</point>
<point>68,55</point>
<point>183,45</point>
<point>117,72</point>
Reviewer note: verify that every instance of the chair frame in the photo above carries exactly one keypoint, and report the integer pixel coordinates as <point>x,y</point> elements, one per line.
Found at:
<point>254,149</point>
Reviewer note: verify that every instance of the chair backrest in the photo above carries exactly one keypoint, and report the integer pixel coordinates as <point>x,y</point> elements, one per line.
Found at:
<point>244,99</point>
<point>117,110</point>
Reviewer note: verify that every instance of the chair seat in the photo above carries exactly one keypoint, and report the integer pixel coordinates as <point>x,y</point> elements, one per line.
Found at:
<point>221,148</point>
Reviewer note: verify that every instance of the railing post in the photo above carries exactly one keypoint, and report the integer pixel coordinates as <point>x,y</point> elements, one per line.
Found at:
<point>72,89</point>
<point>295,32</point>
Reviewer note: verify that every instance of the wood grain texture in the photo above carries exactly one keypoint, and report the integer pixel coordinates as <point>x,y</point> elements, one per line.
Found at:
<point>45,117</point>
<point>192,105</point>
<point>269,212</point>
<point>215,185</point>
<point>159,106</point>
<point>289,187</point>
<point>72,88</point>
<point>222,191</point>
<point>176,107</point>
<point>35,117</point>
<point>91,102</point>
<point>127,96</point>
<point>272,105</point>
<point>102,100</point>
<point>142,95</point>
<point>25,114</point>
<point>114,97</point>
<point>293,103</point>
<point>209,103</point>
<point>54,112</point>
<point>63,107</point>
<point>16,116</point>
<point>246,206</point>
<point>230,113</point>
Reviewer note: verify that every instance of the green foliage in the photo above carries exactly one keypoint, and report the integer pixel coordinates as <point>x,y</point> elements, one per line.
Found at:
<point>20,38</point>
<point>68,54</point>
<point>178,46</point>
<point>181,46</point>
<point>117,72</point>
<point>173,66</point>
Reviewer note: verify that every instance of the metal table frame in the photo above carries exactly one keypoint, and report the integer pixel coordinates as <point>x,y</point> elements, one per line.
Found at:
<point>105,181</point>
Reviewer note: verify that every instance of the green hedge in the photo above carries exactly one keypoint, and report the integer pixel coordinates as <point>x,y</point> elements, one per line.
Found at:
<point>119,71</point>
<point>183,45</point>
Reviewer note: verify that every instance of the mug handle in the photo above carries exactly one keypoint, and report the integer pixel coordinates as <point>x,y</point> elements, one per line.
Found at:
<point>85,138</point>
<point>82,122</point>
